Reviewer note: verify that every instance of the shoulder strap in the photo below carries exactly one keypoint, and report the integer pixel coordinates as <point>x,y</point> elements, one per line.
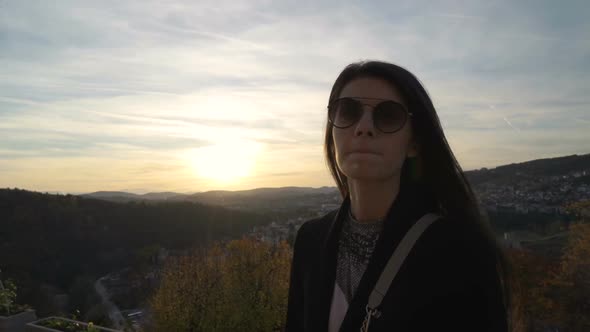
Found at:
<point>398,257</point>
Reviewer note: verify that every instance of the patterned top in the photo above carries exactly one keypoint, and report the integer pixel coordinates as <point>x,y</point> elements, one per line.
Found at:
<point>355,247</point>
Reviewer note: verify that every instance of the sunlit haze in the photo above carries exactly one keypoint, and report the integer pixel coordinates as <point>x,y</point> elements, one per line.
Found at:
<point>191,96</point>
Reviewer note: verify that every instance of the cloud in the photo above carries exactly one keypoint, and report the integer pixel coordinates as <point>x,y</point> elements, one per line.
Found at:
<point>130,86</point>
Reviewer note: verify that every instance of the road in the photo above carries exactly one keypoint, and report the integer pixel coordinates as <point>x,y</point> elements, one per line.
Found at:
<point>113,312</point>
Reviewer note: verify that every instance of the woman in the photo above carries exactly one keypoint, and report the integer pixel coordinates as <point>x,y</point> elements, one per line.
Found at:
<point>388,155</point>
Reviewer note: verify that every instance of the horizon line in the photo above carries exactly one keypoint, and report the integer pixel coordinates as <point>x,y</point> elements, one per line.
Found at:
<point>141,192</point>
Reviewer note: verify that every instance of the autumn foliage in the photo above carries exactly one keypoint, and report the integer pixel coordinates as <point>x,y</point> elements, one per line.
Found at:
<point>238,286</point>
<point>556,293</point>
<point>243,286</point>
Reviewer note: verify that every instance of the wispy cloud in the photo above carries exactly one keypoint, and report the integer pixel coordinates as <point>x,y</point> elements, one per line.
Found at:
<point>510,124</point>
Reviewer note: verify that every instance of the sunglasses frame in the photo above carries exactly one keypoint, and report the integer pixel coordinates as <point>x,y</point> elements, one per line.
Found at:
<point>408,114</point>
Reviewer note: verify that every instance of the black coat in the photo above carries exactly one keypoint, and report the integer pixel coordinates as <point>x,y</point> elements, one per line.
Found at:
<point>448,282</point>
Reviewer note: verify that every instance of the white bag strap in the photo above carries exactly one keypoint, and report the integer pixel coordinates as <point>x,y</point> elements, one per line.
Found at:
<point>397,258</point>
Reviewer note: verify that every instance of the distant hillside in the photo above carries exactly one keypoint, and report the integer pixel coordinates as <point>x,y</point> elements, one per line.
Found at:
<point>282,203</point>
<point>215,196</point>
<point>531,196</point>
<point>54,238</point>
<point>526,177</point>
<point>121,196</point>
<point>161,196</point>
<point>231,197</point>
<point>556,180</point>
<point>509,174</point>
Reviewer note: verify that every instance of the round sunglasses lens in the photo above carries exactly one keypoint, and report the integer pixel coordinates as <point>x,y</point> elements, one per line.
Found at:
<point>345,112</point>
<point>389,116</point>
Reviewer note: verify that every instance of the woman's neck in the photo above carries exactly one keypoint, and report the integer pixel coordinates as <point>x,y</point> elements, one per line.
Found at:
<point>370,200</point>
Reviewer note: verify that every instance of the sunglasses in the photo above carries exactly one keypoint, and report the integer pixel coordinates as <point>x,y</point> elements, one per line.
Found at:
<point>388,116</point>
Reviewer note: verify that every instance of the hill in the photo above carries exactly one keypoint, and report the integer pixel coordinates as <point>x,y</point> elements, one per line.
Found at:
<point>282,203</point>
<point>53,239</point>
<point>539,168</point>
<point>121,196</point>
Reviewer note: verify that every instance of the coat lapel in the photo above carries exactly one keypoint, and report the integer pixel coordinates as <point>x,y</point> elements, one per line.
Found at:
<point>410,204</point>
<point>406,209</point>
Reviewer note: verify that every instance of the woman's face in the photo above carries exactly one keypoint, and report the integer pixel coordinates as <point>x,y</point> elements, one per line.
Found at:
<point>387,150</point>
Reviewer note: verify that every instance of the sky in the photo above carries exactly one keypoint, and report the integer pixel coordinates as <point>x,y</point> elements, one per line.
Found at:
<point>188,96</point>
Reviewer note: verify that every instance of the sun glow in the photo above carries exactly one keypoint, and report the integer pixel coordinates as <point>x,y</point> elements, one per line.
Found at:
<point>225,163</point>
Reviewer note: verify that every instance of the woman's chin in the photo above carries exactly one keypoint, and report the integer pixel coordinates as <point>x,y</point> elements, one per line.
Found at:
<point>363,173</point>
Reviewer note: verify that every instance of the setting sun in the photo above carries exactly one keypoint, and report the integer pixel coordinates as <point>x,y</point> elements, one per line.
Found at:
<point>225,163</point>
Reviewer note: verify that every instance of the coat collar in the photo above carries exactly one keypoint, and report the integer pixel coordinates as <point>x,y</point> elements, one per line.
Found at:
<point>410,204</point>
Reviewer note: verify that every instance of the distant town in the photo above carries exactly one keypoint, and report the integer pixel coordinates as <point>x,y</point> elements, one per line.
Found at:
<point>543,195</point>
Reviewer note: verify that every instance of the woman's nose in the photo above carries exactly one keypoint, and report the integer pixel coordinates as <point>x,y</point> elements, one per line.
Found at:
<point>365,125</point>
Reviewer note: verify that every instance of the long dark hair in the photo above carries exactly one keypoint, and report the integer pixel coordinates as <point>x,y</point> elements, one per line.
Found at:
<point>435,166</point>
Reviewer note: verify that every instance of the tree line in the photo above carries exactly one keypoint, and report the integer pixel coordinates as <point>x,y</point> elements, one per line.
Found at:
<point>65,241</point>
